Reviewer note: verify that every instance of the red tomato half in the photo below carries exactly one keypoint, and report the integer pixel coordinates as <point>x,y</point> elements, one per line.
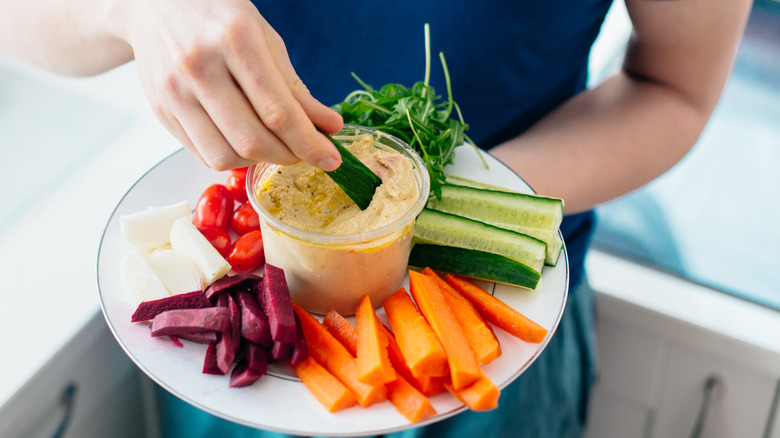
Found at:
<point>219,239</point>
<point>247,254</point>
<point>245,219</point>
<point>214,208</point>
<point>236,183</point>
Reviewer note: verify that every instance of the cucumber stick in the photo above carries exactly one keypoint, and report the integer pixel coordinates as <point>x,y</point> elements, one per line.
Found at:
<point>355,178</point>
<point>533,215</point>
<point>439,228</point>
<point>473,263</point>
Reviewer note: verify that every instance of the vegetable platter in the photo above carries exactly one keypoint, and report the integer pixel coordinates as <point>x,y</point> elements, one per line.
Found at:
<point>279,401</point>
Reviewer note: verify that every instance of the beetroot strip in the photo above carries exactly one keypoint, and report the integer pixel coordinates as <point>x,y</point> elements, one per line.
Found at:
<point>178,321</point>
<point>147,310</point>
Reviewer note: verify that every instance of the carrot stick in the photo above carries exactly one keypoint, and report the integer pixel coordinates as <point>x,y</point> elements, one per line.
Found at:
<point>463,366</point>
<point>482,340</point>
<point>419,344</point>
<point>335,358</point>
<point>482,395</point>
<point>402,393</point>
<point>325,387</point>
<point>427,385</point>
<point>431,386</point>
<point>498,312</point>
<point>341,329</point>
<point>373,365</point>
<point>395,355</point>
<point>410,402</point>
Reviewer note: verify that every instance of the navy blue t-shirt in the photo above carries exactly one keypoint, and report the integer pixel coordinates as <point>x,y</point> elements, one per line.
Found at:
<point>527,58</point>
<point>510,62</point>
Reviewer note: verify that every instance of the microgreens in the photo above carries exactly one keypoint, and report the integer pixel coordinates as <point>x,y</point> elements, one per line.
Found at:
<point>416,115</point>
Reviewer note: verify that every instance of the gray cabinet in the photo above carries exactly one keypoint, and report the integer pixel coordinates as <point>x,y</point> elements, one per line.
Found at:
<point>88,389</point>
<point>657,372</point>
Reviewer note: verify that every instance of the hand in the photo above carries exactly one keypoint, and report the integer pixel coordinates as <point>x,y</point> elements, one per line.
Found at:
<point>219,79</point>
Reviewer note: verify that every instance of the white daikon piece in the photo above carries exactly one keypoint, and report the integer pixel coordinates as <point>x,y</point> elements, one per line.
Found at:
<point>152,227</point>
<point>139,279</point>
<point>187,240</point>
<point>166,247</point>
<point>177,272</point>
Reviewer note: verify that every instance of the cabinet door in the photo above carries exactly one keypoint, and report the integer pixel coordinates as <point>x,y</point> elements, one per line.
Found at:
<point>773,426</point>
<point>628,361</point>
<point>103,386</point>
<point>740,407</point>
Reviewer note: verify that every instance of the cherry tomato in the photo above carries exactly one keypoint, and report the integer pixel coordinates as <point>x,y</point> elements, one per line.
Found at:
<point>245,219</point>
<point>246,254</point>
<point>219,239</point>
<point>236,183</point>
<point>214,208</point>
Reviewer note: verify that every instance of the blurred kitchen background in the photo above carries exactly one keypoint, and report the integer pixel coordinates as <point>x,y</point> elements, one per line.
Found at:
<point>713,218</point>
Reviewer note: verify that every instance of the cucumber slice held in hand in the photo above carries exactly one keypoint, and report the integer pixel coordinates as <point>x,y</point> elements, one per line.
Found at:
<point>355,178</point>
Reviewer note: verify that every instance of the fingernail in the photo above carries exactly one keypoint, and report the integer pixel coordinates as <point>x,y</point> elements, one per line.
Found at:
<point>328,163</point>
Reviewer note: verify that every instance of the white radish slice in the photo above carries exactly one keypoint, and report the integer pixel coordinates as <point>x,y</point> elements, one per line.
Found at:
<point>166,247</point>
<point>152,227</point>
<point>139,279</point>
<point>176,271</point>
<point>187,240</point>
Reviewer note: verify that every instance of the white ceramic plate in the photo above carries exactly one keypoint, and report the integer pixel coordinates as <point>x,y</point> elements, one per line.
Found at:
<point>278,402</point>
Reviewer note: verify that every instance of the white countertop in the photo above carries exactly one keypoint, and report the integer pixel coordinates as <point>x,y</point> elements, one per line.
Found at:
<point>48,246</point>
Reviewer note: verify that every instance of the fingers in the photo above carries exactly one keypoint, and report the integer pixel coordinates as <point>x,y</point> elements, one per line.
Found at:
<point>256,71</point>
<point>321,115</point>
<point>211,146</point>
<point>230,94</point>
<point>244,138</point>
<point>184,116</point>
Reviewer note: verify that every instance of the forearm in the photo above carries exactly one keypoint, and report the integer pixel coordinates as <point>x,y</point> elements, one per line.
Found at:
<point>605,142</point>
<point>73,37</point>
<point>608,141</point>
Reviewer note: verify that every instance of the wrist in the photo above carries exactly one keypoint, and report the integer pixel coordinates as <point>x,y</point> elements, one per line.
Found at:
<point>109,24</point>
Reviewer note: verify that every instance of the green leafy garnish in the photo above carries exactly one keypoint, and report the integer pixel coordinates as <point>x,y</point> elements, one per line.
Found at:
<point>416,115</point>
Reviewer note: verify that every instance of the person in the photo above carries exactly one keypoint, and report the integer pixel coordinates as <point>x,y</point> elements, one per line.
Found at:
<point>237,82</point>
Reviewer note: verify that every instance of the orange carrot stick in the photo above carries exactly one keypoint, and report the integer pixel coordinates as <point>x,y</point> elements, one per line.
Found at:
<point>427,385</point>
<point>395,355</point>
<point>419,344</point>
<point>482,395</point>
<point>498,312</point>
<point>373,365</point>
<point>341,329</point>
<point>410,402</point>
<point>325,387</point>
<point>430,386</point>
<point>463,366</point>
<point>402,393</point>
<point>335,358</point>
<point>482,340</point>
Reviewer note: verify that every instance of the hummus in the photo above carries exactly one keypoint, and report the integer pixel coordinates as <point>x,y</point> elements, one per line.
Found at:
<point>305,197</point>
<point>332,253</point>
